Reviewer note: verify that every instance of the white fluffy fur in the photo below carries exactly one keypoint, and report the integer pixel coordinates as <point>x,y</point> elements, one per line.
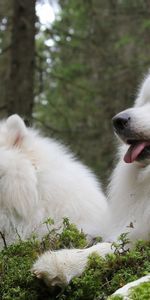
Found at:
<point>129,202</point>
<point>59,267</point>
<point>40,178</point>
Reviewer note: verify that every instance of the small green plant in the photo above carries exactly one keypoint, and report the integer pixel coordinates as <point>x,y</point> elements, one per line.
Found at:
<point>49,222</point>
<point>71,237</point>
<point>120,246</point>
<point>66,237</point>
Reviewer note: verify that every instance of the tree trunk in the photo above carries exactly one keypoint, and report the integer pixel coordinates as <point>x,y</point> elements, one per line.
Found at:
<point>20,89</point>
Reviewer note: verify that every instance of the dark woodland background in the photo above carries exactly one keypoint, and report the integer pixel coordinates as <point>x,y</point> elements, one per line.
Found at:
<point>98,55</point>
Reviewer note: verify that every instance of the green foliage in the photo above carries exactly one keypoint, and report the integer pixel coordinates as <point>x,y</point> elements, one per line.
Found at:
<point>121,245</point>
<point>100,279</point>
<point>69,237</point>
<point>16,280</point>
<point>141,292</point>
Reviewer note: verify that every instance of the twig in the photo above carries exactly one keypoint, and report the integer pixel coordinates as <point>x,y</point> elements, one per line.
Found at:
<point>3,238</point>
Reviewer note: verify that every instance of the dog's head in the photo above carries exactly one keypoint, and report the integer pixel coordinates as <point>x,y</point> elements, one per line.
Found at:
<point>133,126</point>
<point>18,172</point>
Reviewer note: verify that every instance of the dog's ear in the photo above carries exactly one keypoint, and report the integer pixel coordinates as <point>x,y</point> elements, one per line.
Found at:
<point>144,92</point>
<point>17,129</point>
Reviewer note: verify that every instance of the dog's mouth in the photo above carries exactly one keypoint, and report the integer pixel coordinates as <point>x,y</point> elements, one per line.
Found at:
<point>138,150</point>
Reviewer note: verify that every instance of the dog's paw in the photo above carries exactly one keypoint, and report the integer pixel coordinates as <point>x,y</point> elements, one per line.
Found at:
<point>59,267</point>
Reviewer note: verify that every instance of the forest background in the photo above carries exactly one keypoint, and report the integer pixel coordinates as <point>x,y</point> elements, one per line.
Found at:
<point>71,76</point>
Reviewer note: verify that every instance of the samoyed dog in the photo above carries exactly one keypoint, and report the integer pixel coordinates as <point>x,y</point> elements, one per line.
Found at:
<point>128,207</point>
<point>40,179</point>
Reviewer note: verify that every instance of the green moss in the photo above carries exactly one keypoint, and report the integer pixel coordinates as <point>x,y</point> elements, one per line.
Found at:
<point>100,279</point>
<point>16,280</point>
<point>103,277</point>
<point>141,292</point>
<point>71,237</point>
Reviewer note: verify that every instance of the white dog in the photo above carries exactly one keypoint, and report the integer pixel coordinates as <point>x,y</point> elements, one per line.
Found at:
<point>128,193</point>
<point>40,178</point>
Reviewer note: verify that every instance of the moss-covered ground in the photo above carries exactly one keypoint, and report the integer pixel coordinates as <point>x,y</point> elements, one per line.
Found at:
<point>100,279</point>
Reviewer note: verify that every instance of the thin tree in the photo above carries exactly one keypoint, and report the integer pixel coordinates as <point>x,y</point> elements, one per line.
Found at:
<point>20,85</point>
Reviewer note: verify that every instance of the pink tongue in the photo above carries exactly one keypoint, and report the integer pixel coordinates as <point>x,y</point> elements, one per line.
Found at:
<point>134,151</point>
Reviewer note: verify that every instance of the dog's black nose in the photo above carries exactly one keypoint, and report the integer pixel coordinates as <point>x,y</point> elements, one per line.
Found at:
<point>121,122</point>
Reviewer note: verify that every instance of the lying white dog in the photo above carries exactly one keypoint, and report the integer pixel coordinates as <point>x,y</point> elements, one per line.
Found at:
<point>40,178</point>
<point>129,195</point>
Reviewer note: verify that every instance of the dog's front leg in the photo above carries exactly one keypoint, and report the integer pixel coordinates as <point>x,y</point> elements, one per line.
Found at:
<point>59,267</point>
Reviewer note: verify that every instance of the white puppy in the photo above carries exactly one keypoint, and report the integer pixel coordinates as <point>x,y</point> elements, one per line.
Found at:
<point>129,194</point>
<point>40,178</point>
